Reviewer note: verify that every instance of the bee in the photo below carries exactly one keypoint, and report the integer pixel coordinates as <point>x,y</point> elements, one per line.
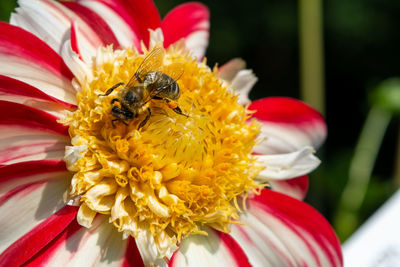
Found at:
<point>151,81</point>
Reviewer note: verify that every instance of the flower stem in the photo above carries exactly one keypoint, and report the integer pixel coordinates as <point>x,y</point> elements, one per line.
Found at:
<point>311,53</point>
<point>360,170</point>
<point>397,163</point>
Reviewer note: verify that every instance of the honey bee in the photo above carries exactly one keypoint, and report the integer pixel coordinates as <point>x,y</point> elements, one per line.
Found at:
<point>151,81</point>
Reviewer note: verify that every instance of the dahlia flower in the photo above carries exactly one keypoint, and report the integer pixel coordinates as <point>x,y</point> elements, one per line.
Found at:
<point>220,186</point>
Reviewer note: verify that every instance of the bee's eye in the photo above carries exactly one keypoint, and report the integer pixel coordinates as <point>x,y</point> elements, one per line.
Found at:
<point>131,97</point>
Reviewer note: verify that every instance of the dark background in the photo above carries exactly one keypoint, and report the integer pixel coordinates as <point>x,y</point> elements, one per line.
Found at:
<point>361,48</point>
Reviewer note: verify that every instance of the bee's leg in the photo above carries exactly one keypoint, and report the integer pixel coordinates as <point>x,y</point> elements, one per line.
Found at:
<point>124,122</point>
<point>121,114</point>
<point>109,91</point>
<point>172,105</point>
<point>143,123</point>
<point>178,110</point>
<point>114,100</point>
<point>138,78</point>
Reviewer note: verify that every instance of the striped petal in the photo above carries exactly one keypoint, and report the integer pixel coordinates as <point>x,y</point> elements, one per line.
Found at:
<point>71,55</point>
<point>29,134</point>
<point>191,22</point>
<point>281,231</point>
<point>51,22</point>
<point>101,245</point>
<point>26,58</point>
<point>286,166</point>
<point>130,20</point>
<point>29,193</point>
<point>287,125</point>
<point>22,250</point>
<point>19,92</point>
<point>216,249</point>
<point>95,21</point>
<point>295,187</point>
<point>19,175</point>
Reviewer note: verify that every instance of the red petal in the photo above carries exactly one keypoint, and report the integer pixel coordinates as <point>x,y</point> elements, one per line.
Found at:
<point>29,117</point>
<point>25,45</point>
<point>27,246</point>
<point>295,187</point>
<point>132,255</point>
<point>184,20</point>
<point>74,40</point>
<point>282,230</point>
<point>139,15</point>
<point>95,22</point>
<point>15,175</point>
<point>288,125</point>
<point>15,87</point>
<point>236,251</point>
<point>78,246</point>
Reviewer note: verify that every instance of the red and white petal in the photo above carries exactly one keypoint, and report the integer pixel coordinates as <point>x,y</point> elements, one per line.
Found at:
<point>26,58</point>
<point>30,199</point>
<point>281,231</point>
<point>125,35</point>
<point>295,187</point>
<point>17,176</point>
<point>217,249</point>
<point>74,62</point>
<point>286,166</point>
<point>22,250</point>
<point>13,90</point>
<point>101,245</point>
<point>130,20</point>
<point>190,21</point>
<point>29,134</point>
<point>51,22</point>
<point>287,125</point>
<point>95,21</point>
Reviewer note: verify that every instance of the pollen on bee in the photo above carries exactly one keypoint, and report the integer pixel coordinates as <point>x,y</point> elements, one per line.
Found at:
<point>172,104</point>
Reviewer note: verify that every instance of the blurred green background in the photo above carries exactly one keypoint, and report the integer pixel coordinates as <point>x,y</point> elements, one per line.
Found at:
<point>360,51</point>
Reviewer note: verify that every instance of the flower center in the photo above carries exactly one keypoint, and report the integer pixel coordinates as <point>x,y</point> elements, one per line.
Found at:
<point>174,174</point>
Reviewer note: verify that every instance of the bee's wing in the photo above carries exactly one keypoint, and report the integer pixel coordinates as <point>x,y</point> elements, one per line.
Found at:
<point>175,70</point>
<point>152,62</point>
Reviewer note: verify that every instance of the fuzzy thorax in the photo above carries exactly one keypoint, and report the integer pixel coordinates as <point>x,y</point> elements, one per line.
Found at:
<point>176,174</point>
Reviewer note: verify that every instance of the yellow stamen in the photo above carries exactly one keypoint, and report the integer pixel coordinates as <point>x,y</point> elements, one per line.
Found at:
<point>176,173</point>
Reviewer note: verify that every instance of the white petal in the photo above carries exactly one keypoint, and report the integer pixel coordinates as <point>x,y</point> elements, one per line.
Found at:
<point>242,84</point>
<point>18,143</point>
<point>197,42</point>
<point>148,249</point>
<point>211,250</point>
<point>229,70</point>
<point>290,165</point>
<point>31,205</point>
<point>156,36</point>
<point>78,67</point>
